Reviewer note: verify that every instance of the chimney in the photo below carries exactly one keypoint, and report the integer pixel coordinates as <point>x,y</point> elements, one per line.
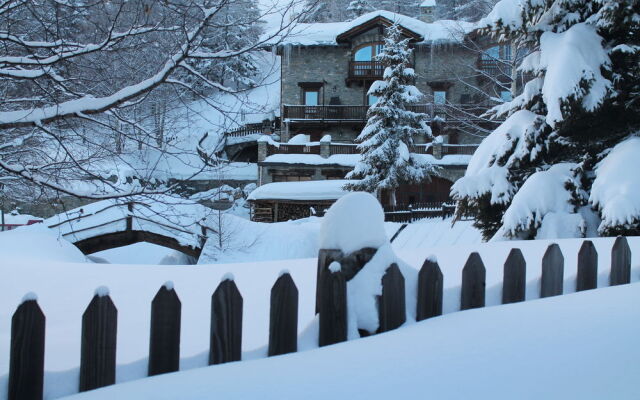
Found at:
<point>428,11</point>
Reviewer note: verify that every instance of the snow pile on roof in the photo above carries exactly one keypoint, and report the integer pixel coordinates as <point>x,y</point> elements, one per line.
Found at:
<point>428,3</point>
<point>310,190</point>
<point>616,189</point>
<point>350,160</point>
<point>325,34</point>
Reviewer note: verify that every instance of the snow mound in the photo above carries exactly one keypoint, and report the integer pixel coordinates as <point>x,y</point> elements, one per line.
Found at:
<point>353,222</point>
<point>616,189</point>
<point>37,243</point>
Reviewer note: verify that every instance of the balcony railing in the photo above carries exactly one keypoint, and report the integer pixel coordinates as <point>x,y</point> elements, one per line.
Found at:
<point>358,113</point>
<point>365,70</point>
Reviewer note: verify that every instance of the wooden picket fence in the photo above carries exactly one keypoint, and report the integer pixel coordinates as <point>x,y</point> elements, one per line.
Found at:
<point>99,321</point>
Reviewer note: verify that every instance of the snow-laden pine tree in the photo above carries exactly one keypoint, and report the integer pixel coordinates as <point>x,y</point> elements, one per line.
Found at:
<point>388,137</point>
<point>358,7</point>
<point>565,160</point>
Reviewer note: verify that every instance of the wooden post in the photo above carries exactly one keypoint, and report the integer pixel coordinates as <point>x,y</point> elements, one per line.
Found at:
<point>352,263</point>
<point>552,272</point>
<point>429,291</point>
<point>587,267</point>
<point>283,322</point>
<point>473,283</point>
<point>333,309</point>
<point>26,359</point>
<point>620,262</point>
<point>515,277</point>
<point>164,342</point>
<point>325,258</point>
<point>392,311</point>
<point>226,324</point>
<point>98,343</point>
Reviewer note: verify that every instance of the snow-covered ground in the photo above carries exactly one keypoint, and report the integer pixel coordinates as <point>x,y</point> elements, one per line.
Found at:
<point>580,346</point>
<point>65,284</point>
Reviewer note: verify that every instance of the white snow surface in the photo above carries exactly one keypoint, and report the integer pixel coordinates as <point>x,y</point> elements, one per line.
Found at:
<point>306,190</point>
<point>133,287</point>
<point>498,353</point>
<point>37,243</point>
<point>616,188</point>
<point>353,222</point>
<point>325,34</point>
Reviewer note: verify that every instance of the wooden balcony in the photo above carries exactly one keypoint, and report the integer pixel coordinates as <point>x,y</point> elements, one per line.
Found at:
<point>365,70</point>
<point>341,113</point>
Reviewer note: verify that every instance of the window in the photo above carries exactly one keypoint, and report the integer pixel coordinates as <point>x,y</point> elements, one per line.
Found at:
<point>505,95</point>
<point>439,97</point>
<point>368,52</point>
<point>311,97</point>
<point>371,99</point>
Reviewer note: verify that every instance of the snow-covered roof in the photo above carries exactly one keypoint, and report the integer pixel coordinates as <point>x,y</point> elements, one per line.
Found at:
<point>310,190</point>
<point>350,160</point>
<point>428,3</point>
<point>325,34</point>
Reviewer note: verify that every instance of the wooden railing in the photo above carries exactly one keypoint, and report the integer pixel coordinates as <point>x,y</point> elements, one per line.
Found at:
<point>250,129</point>
<point>365,70</point>
<point>343,148</point>
<point>460,149</point>
<point>466,112</point>
<point>495,69</point>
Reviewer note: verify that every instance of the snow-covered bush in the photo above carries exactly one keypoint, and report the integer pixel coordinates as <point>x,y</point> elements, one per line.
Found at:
<point>583,98</point>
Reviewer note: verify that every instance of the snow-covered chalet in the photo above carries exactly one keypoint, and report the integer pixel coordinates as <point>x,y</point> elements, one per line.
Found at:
<point>326,71</point>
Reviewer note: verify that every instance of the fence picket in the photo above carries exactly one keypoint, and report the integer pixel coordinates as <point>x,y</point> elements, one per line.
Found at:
<point>620,262</point>
<point>164,338</point>
<point>325,258</point>
<point>429,291</point>
<point>391,305</point>
<point>333,309</point>
<point>514,278</point>
<point>98,343</point>
<point>283,321</point>
<point>226,324</point>
<point>26,359</point>
<point>587,267</point>
<point>473,283</point>
<point>552,278</point>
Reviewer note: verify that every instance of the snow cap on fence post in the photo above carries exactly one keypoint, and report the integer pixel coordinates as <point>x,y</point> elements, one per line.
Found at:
<point>352,223</point>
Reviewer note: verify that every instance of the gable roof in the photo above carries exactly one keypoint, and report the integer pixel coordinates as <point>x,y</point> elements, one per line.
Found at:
<point>379,20</point>
<point>331,33</point>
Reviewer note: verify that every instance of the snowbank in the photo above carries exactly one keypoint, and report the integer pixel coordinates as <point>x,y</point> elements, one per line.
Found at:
<point>581,346</point>
<point>37,243</point>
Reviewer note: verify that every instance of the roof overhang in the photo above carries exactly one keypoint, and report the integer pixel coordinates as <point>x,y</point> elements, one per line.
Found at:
<point>378,21</point>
